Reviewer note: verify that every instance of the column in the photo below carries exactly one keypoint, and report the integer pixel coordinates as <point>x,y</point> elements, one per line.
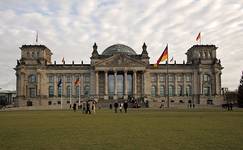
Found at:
<point>143,83</point>
<point>81,90</point>
<point>158,86</point>
<point>97,83</point>
<point>134,83</point>
<point>106,85</point>
<point>125,84</point>
<point>115,78</point>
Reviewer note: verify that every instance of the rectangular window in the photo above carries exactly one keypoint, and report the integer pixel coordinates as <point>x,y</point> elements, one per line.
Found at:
<point>180,78</point>
<point>153,78</point>
<point>68,79</point>
<point>32,92</point>
<point>188,78</point>
<point>161,78</point>
<point>171,78</point>
<point>51,79</point>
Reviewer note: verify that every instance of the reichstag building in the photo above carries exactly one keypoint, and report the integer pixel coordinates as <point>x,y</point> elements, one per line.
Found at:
<point>119,73</point>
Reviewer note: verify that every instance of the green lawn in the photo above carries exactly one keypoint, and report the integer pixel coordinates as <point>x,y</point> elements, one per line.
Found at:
<point>139,129</point>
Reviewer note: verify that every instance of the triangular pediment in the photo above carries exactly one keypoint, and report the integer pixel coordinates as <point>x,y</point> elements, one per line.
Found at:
<point>120,60</point>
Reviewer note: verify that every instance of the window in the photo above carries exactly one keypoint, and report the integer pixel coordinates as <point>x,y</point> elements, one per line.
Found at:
<point>51,91</point>
<point>153,78</point>
<point>32,78</point>
<point>180,90</point>
<point>68,90</point>
<point>188,90</point>
<point>38,54</point>
<point>180,78</point>
<point>206,78</point>
<point>171,90</point>
<point>33,55</point>
<point>162,90</point>
<point>206,90</point>
<point>69,79</point>
<point>153,90</point>
<point>161,78</point>
<point>77,91</point>
<point>51,79</point>
<point>32,92</point>
<point>188,78</point>
<point>86,90</point>
<point>49,102</point>
<point>28,54</point>
<point>171,78</point>
<point>86,78</point>
<point>59,91</point>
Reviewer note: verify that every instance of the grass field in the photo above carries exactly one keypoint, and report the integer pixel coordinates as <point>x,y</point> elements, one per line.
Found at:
<point>139,129</point>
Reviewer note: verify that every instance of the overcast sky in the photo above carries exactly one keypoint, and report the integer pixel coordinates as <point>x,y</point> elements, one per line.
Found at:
<point>69,29</point>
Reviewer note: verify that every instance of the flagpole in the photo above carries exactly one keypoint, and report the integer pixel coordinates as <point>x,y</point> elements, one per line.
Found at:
<point>61,96</point>
<point>71,94</point>
<point>167,78</point>
<point>79,95</point>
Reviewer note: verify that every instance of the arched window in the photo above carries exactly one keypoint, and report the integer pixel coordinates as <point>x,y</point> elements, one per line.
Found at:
<point>33,55</point>
<point>28,54</point>
<point>162,90</point>
<point>171,90</point>
<point>51,91</point>
<point>32,78</point>
<point>38,54</point>
<point>153,90</point>
<point>179,90</point>
<point>189,90</point>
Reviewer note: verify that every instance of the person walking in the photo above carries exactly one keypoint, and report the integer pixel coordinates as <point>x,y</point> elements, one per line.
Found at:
<point>125,105</point>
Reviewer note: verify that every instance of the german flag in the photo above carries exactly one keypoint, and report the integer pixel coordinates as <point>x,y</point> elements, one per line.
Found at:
<point>164,55</point>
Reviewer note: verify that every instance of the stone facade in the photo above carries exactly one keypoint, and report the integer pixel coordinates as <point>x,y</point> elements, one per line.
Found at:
<point>119,73</point>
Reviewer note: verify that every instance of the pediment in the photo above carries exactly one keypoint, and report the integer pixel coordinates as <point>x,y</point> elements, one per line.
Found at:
<point>120,60</point>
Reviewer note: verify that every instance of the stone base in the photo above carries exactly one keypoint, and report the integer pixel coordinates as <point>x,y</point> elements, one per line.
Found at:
<point>115,97</point>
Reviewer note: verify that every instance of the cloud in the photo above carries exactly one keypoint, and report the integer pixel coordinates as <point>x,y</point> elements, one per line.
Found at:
<point>69,29</point>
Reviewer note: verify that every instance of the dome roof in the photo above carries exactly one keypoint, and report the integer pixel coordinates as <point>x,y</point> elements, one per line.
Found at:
<point>119,48</point>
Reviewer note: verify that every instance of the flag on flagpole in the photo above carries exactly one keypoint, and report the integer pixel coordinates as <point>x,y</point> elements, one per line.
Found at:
<point>77,82</point>
<point>59,83</point>
<point>63,61</point>
<point>164,55</point>
<point>36,39</point>
<point>198,36</point>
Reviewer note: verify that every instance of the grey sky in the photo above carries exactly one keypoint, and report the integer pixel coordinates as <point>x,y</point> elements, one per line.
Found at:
<point>69,29</point>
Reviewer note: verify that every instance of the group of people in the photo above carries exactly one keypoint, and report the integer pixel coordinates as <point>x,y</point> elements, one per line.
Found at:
<point>121,106</point>
<point>85,106</point>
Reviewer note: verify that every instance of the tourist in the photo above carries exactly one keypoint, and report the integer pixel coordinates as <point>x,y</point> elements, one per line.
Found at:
<point>125,105</point>
<point>120,107</point>
<point>88,107</point>
<point>116,106</point>
<point>74,107</point>
<point>110,106</point>
<point>93,106</point>
<point>84,107</point>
